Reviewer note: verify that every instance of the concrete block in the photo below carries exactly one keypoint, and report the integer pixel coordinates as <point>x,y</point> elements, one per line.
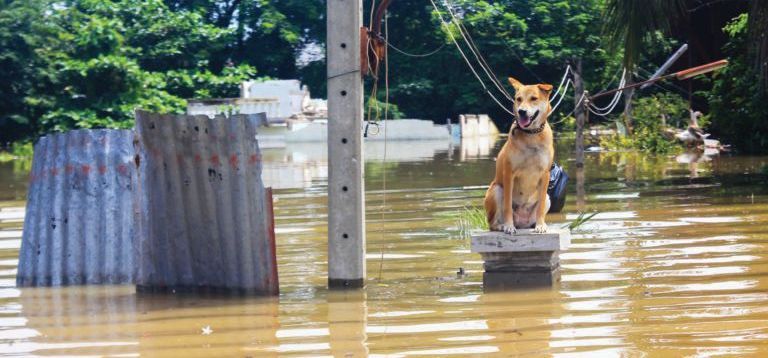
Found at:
<point>521,260</point>
<point>523,240</point>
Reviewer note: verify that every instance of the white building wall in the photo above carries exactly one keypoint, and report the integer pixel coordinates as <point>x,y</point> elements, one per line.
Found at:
<point>290,95</point>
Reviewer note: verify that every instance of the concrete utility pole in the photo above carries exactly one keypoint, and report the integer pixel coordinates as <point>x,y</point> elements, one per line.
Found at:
<point>346,194</point>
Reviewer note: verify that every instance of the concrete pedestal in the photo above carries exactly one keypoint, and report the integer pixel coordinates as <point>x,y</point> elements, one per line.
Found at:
<point>522,260</point>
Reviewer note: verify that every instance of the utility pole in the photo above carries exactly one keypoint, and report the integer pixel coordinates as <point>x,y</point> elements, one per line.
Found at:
<point>580,111</point>
<point>346,194</point>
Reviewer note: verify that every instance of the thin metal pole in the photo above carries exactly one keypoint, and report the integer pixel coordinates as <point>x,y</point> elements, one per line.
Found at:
<point>680,75</point>
<point>637,84</point>
<point>346,193</point>
<point>667,64</point>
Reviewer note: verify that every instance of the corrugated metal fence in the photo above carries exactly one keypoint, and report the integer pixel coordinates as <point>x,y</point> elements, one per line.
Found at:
<point>194,216</point>
<point>207,223</point>
<point>80,222</point>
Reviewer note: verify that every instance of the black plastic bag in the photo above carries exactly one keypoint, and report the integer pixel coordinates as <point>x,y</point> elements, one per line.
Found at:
<point>556,189</point>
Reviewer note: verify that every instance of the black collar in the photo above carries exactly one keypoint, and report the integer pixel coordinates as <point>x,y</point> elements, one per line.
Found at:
<point>528,131</point>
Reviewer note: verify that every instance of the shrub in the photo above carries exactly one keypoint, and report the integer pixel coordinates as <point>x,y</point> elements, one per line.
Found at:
<point>377,109</point>
<point>650,113</point>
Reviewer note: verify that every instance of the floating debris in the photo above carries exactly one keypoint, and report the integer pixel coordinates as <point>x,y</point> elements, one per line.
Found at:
<point>206,331</point>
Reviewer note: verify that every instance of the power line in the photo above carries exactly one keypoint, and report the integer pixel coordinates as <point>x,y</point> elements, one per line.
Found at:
<point>616,96</point>
<point>472,48</point>
<point>427,54</point>
<point>464,56</point>
<point>554,108</point>
<point>560,86</point>
<point>578,103</point>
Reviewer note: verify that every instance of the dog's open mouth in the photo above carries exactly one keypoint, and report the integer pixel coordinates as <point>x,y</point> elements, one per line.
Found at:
<point>525,120</point>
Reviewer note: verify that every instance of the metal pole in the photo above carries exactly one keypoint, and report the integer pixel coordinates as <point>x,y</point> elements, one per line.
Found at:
<point>346,200</point>
<point>667,64</point>
<point>680,75</point>
<point>633,85</point>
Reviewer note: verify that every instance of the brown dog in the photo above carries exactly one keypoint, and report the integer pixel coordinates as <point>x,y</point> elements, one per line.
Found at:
<point>517,196</point>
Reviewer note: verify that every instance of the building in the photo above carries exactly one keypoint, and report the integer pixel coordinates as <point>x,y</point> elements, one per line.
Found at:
<point>282,100</point>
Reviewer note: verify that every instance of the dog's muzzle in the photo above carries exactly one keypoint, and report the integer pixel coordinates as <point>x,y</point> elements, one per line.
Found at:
<point>524,120</point>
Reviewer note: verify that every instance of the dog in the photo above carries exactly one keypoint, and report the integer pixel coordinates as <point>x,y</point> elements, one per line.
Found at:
<point>517,197</point>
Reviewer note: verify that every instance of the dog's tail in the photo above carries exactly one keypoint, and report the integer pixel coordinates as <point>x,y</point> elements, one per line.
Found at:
<point>491,204</point>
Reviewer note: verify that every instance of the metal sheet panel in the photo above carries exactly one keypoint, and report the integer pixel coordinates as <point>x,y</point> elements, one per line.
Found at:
<point>206,223</point>
<point>80,218</point>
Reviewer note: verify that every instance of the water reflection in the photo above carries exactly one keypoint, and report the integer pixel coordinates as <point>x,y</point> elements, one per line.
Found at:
<point>675,264</point>
<point>113,320</point>
<point>347,321</point>
<point>300,165</point>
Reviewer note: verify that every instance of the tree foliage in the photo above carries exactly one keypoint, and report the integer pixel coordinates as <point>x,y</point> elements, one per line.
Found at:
<point>737,104</point>
<point>628,23</point>
<point>531,40</point>
<point>88,63</point>
<point>95,61</point>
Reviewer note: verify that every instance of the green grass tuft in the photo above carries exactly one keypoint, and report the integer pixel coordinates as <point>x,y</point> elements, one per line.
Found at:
<point>580,220</point>
<point>472,218</point>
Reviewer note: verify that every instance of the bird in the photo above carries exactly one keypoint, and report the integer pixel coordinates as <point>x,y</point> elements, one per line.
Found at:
<point>207,330</point>
<point>693,135</point>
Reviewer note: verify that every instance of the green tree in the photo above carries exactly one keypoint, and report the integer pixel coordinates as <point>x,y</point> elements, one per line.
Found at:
<point>283,39</point>
<point>523,39</point>
<point>628,26</point>
<point>24,74</point>
<point>98,60</point>
<point>737,105</point>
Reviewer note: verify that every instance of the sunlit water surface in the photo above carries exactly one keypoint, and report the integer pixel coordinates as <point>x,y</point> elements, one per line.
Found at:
<point>676,263</point>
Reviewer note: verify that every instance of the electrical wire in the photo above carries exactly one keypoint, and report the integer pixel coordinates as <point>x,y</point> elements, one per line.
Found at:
<point>522,62</point>
<point>384,158</point>
<point>616,96</point>
<point>619,71</point>
<point>560,86</point>
<point>593,110</point>
<point>604,111</point>
<point>464,56</point>
<point>578,103</point>
<point>412,54</point>
<point>563,86</point>
<point>565,91</point>
<point>473,48</point>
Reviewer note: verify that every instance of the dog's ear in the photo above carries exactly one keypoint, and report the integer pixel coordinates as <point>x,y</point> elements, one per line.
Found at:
<point>545,88</point>
<point>515,83</point>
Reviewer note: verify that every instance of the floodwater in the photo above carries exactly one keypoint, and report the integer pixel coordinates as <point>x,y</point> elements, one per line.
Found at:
<point>676,263</point>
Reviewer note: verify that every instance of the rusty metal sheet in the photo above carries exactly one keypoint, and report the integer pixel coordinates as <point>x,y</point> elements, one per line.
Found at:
<point>80,218</point>
<point>206,223</point>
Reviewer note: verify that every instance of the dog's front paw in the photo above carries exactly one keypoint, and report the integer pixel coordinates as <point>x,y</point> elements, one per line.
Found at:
<point>540,228</point>
<point>508,229</point>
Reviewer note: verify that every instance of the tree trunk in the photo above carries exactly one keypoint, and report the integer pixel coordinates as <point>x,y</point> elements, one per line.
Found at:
<point>758,40</point>
<point>628,94</point>
<point>579,110</point>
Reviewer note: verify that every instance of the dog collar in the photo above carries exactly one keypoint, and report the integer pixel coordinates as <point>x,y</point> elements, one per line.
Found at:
<point>529,131</point>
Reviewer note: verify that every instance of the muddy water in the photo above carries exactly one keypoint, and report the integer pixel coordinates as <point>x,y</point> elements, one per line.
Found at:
<point>676,263</point>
